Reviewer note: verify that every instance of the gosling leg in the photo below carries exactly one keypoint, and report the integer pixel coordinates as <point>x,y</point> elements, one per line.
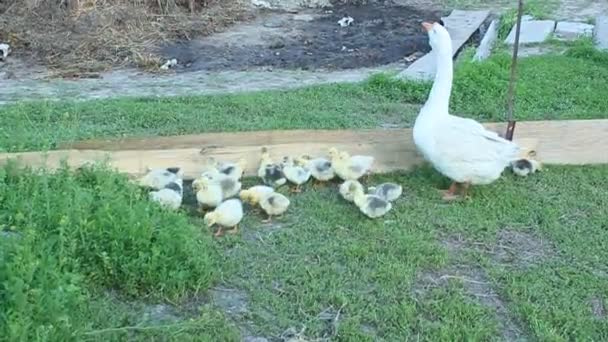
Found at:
<point>220,232</point>
<point>234,230</point>
<point>366,177</point>
<point>465,190</point>
<point>268,220</point>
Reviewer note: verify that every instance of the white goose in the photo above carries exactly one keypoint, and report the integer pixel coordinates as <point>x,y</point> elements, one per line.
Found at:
<point>459,148</point>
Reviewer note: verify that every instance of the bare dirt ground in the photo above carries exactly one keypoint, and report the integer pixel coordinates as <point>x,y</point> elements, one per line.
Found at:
<point>268,49</point>
<point>311,39</point>
<point>512,249</point>
<point>306,39</point>
<point>581,10</point>
<point>76,36</point>
<point>275,50</point>
<point>132,83</point>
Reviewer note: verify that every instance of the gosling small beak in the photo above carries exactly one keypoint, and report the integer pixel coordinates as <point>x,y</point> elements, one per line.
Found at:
<point>427,26</point>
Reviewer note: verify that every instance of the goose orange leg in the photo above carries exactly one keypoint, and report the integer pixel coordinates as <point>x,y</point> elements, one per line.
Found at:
<point>450,194</point>
<point>465,190</point>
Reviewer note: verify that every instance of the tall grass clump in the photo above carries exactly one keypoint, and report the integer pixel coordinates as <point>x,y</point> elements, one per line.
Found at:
<point>538,9</point>
<point>67,236</point>
<point>480,89</point>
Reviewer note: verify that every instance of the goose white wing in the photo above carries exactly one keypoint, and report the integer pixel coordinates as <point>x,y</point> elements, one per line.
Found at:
<point>466,140</point>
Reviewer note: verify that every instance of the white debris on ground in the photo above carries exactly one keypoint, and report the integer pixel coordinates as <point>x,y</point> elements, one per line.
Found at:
<point>169,64</point>
<point>532,32</point>
<point>290,5</point>
<point>346,21</point>
<point>568,30</point>
<point>536,32</point>
<point>5,49</point>
<point>600,34</point>
<point>413,57</point>
<point>527,17</point>
<point>261,4</point>
<point>487,42</point>
<point>462,25</point>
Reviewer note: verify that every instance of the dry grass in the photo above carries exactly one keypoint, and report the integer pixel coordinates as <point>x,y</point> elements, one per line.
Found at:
<point>92,35</point>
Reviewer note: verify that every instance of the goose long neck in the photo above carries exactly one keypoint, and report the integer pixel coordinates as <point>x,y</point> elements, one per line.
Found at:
<point>439,96</point>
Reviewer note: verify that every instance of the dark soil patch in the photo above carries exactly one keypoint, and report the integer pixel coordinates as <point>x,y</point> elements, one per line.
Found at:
<point>598,308</point>
<point>521,249</point>
<point>160,314</point>
<point>83,36</point>
<point>254,339</point>
<point>512,248</point>
<point>379,35</point>
<point>477,284</point>
<point>233,302</point>
<point>454,244</point>
<point>146,313</point>
<point>259,234</point>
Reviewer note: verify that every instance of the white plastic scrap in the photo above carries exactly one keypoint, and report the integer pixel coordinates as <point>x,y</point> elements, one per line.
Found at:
<point>5,49</point>
<point>346,21</point>
<point>169,64</point>
<point>261,4</point>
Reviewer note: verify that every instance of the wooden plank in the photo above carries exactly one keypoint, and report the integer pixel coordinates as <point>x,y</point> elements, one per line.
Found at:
<point>212,140</point>
<point>568,142</point>
<point>532,32</point>
<point>487,43</point>
<point>555,142</point>
<point>248,146</point>
<point>461,25</point>
<point>600,33</point>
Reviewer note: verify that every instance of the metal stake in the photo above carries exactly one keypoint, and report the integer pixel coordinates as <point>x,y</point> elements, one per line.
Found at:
<point>511,96</point>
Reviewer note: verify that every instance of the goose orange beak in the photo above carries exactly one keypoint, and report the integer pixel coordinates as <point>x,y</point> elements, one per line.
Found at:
<point>427,26</point>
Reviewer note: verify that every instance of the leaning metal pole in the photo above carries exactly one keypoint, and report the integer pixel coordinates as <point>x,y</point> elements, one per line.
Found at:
<point>511,95</point>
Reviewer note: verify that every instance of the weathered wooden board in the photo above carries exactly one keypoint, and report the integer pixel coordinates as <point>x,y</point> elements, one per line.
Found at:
<point>484,50</point>
<point>393,150</point>
<point>574,142</point>
<point>461,25</point>
<point>600,33</point>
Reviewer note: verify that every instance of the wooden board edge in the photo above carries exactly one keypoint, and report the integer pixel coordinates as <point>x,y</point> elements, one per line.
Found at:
<point>212,140</point>
<point>564,142</point>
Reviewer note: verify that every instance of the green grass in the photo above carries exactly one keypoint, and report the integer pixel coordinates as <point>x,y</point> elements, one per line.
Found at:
<point>479,92</point>
<point>86,253</point>
<point>70,237</point>
<point>539,9</point>
<point>324,256</point>
<point>480,89</point>
<point>85,256</point>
